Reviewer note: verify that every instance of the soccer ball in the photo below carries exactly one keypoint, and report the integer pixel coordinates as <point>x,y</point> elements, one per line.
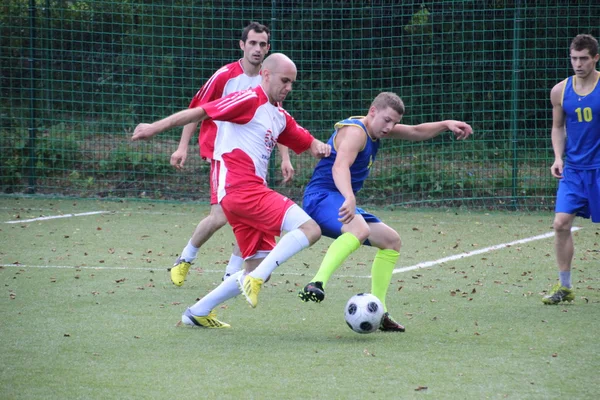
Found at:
<point>364,313</point>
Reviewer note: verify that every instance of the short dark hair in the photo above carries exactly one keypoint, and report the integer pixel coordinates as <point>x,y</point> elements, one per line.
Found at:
<point>256,27</point>
<point>389,99</point>
<point>583,42</point>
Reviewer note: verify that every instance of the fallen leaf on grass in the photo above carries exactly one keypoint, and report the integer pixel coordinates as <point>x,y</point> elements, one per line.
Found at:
<point>420,388</point>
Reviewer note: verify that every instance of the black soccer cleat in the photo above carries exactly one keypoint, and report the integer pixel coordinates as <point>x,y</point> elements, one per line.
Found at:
<point>312,292</point>
<point>389,325</point>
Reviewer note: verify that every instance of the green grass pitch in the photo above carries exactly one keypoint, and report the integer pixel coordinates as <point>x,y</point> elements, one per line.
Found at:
<point>88,311</point>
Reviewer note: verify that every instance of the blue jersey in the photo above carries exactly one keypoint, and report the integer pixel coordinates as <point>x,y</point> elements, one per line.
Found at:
<point>322,178</point>
<point>582,123</point>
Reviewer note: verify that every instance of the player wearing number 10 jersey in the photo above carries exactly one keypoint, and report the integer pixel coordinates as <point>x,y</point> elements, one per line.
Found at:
<point>576,137</point>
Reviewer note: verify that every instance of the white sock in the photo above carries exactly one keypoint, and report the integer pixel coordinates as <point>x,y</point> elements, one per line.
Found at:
<point>226,290</point>
<point>290,244</point>
<point>190,252</point>
<point>235,264</point>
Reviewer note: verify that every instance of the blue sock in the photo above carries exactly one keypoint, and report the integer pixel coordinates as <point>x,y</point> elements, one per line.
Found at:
<point>565,278</point>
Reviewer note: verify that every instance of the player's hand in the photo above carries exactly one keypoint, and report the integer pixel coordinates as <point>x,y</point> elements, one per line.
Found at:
<point>461,130</point>
<point>557,168</point>
<point>347,211</point>
<point>287,170</point>
<point>143,132</point>
<point>178,159</point>
<point>320,149</point>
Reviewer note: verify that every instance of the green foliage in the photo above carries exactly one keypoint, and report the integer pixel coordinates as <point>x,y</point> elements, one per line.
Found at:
<point>54,152</point>
<point>57,150</point>
<point>59,153</point>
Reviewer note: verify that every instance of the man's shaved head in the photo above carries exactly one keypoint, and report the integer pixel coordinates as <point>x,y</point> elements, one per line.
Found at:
<point>276,61</point>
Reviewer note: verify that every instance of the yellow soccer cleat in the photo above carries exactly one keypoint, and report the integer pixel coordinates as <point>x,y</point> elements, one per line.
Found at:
<point>558,294</point>
<point>179,271</point>
<point>208,321</point>
<point>250,287</point>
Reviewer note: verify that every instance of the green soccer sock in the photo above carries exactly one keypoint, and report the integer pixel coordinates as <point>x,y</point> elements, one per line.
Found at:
<point>338,251</point>
<point>381,273</point>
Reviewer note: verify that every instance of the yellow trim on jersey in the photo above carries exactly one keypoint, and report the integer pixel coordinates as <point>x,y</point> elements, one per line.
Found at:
<point>338,125</point>
<point>562,94</point>
<point>593,88</point>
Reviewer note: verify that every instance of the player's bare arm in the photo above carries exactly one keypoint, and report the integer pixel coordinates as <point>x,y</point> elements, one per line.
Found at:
<point>559,132</point>
<point>287,169</point>
<point>146,131</point>
<point>428,130</point>
<point>180,155</point>
<point>349,141</point>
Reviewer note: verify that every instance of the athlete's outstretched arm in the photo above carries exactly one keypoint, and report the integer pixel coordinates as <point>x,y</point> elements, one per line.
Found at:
<point>429,130</point>
<point>146,131</point>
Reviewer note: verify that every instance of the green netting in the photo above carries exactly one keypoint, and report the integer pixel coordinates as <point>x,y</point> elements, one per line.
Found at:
<point>77,76</point>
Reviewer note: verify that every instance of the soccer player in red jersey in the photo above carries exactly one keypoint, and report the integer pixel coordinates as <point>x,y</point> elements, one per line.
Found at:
<point>253,122</point>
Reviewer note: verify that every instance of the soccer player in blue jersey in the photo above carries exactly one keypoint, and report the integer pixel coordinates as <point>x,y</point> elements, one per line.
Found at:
<point>330,196</point>
<point>576,136</point>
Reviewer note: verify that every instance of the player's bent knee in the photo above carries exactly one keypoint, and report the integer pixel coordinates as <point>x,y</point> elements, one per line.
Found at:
<point>312,231</point>
<point>396,245</point>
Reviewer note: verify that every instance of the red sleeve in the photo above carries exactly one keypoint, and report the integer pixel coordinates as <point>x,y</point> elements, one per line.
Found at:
<point>237,107</point>
<point>294,136</point>
<point>212,89</point>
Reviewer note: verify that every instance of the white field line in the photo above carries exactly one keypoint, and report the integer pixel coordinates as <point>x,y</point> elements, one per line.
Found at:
<point>476,252</point>
<point>55,217</point>
<point>90,213</point>
<point>75,267</point>
<point>397,270</point>
<point>220,271</point>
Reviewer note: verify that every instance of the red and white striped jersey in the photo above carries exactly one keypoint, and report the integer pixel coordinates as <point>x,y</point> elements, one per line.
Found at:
<point>226,80</point>
<point>249,130</point>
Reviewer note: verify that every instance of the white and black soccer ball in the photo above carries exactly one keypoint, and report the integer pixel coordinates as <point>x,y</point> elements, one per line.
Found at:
<point>364,313</point>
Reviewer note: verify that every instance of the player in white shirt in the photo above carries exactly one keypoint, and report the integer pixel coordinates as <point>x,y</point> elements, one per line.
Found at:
<point>253,121</point>
<point>239,75</point>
